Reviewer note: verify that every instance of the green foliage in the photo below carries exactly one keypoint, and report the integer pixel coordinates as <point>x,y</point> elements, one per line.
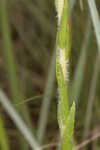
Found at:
<point>63,103</point>
<point>65,115</point>
<point>63,34</point>
<point>28,36</point>
<point>67,138</point>
<point>3,137</point>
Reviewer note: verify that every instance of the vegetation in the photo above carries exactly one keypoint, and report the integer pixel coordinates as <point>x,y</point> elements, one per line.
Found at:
<point>39,42</point>
<point>65,115</point>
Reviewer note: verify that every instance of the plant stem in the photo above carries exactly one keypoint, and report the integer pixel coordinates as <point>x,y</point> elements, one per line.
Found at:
<point>3,137</point>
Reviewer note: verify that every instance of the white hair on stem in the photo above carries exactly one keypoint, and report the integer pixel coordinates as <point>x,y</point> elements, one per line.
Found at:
<point>63,62</point>
<point>60,5</point>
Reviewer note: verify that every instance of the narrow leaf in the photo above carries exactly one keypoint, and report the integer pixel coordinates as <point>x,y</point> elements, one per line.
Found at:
<point>67,139</point>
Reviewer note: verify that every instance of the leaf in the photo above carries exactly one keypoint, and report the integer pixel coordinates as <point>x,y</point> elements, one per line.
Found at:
<point>63,102</point>
<point>3,137</point>
<point>67,138</point>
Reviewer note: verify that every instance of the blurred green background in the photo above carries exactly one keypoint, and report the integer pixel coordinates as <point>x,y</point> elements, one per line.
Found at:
<point>33,27</point>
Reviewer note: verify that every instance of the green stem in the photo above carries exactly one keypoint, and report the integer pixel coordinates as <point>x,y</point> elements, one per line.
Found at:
<point>3,137</point>
<point>46,100</point>
<point>65,114</point>
<point>11,67</point>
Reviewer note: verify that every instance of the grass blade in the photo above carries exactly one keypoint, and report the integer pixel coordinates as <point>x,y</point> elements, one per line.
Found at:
<point>79,72</point>
<point>46,101</point>
<point>18,121</point>
<point>95,19</point>
<point>92,93</point>
<point>3,137</point>
<point>65,115</point>
<point>67,140</point>
<point>11,67</point>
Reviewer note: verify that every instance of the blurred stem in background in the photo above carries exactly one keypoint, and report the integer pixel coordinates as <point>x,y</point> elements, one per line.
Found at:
<point>48,93</point>
<point>79,72</point>
<point>10,61</point>
<point>29,100</point>
<point>92,92</point>
<point>3,137</point>
<point>91,98</point>
<point>95,20</point>
<point>20,124</point>
<point>71,6</point>
<point>41,17</point>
